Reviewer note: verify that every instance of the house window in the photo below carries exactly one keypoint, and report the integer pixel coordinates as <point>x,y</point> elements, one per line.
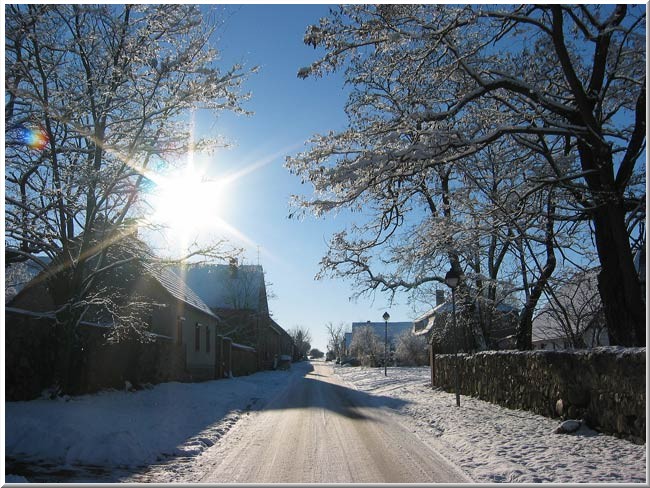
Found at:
<point>207,339</point>
<point>197,337</point>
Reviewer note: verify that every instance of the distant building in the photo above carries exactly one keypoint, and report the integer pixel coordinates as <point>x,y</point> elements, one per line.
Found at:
<point>237,294</point>
<point>437,326</point>
<point>395,329</point>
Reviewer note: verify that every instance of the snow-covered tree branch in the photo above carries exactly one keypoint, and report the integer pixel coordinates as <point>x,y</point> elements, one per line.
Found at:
<point>553,97</point>
<point>97,95</point>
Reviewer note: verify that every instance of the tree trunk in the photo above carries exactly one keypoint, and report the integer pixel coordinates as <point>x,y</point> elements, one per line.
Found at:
<point>61,287</point>
<point>66,352</point>
<point>525,332</point>
<point>618,281</point>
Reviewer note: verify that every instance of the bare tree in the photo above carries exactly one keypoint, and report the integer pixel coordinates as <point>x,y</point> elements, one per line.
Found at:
<point>105,89</point>
<point>574,309</point>
<point>316,353</point>
<point>366,346</point>
<point>436,85</point>
<point>412,350</point>
<point>336,336</point>
<point>301,339</point>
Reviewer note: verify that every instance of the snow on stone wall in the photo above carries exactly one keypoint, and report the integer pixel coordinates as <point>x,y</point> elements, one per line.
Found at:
<point>604,386</point>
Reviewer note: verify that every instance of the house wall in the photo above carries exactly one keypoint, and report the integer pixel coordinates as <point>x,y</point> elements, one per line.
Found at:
<point>244,327</point>
<point>138,363</point>
<point>272,344</point>
<point>165,320</point>
<point>604,386</point>
<point>30,359</point>
<point>286,345</point>
<point>201,354</point>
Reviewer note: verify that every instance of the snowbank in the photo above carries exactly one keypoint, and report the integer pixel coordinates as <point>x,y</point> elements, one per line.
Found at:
<point>126,429</point>
<point>495,444</point>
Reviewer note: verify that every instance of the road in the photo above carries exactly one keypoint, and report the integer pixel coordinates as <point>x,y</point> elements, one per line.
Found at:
<point>319,430</point>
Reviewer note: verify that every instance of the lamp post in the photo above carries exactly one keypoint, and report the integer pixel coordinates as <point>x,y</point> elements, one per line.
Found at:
<point>386,316</point>
<point>452,278</point>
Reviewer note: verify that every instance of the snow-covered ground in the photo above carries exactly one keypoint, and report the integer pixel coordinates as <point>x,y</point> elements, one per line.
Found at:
<point>124,429</point>
<point>117,429</point>
<point>495,444</point>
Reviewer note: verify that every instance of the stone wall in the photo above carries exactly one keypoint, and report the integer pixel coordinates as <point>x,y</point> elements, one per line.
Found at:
<point>604,386</point>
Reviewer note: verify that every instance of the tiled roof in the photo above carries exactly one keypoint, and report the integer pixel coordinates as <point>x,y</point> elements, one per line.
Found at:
<point>178,288</point>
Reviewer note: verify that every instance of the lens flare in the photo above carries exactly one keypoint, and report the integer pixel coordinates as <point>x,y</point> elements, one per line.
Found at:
<point>34,138</point>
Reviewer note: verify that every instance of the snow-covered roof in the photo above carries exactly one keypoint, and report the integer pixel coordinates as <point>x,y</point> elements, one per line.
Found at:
<point>17,275</point>
<point>226,286</point>
<point>178,288</point>
<point>447,307</point>
<point>242,347</point>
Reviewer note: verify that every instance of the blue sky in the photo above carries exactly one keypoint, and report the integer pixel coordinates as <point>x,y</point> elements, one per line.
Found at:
<point>288,111</point>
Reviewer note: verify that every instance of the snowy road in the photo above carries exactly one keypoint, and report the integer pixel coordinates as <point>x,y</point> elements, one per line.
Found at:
<point>305,424</point>
<point>318,430</point>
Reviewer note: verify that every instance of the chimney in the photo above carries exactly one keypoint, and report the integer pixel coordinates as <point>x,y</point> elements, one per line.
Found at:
<point>440,297</point>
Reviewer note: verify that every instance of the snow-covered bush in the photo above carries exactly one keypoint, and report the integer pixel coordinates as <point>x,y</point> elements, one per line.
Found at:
<point>411,350</point>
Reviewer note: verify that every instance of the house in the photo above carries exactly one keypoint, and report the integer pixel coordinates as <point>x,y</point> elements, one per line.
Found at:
<point>237,294</point>
<point>279,344</point>
<point>175,313</point>
<point>572,317</point>
<point>183,317</point>
<point>437,325</point>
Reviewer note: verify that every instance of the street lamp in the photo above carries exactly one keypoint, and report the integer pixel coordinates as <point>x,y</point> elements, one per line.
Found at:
<point>452,278</point>
<point>386,316</point>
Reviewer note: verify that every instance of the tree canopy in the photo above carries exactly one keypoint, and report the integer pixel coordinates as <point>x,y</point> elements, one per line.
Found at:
<point>96,97</point>
<point>496,139</point>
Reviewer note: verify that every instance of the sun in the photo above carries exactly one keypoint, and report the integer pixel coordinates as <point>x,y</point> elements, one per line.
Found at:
<point>186,207</point>
<point>187,202</point>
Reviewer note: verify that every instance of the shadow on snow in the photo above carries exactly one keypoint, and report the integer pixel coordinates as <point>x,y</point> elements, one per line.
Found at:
<point>307,389</point>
